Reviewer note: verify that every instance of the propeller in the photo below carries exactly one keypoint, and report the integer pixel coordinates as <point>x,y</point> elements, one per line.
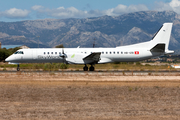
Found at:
<point>63,55</point>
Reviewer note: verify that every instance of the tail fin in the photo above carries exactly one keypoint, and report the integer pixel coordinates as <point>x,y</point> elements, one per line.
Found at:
<point>161,39</point>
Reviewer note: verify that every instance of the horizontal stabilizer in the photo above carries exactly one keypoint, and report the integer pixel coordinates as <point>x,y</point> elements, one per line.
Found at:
<point>158,48</point>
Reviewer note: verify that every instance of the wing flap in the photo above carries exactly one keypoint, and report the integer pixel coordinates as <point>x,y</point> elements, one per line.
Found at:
<point>95,57</point>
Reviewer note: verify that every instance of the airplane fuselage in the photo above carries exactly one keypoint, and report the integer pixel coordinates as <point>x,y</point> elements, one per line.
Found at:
<point>53,55</point>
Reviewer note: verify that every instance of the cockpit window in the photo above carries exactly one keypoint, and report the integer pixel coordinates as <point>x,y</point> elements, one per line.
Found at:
<point>16,52</point>
<point>19,52</point>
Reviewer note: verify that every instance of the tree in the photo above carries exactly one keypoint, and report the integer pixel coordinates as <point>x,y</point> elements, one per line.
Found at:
<point>4,53</point>
<point>13,50</point>
<point>59,46</point>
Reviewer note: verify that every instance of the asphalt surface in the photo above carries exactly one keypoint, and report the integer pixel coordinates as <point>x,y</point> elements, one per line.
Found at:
<point>100,72</point>
<point>96,71</point>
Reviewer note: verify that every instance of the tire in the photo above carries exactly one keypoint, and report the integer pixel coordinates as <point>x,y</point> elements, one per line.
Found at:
<point>85,68</point>
<point>91,68</point>
<point>18,69</point>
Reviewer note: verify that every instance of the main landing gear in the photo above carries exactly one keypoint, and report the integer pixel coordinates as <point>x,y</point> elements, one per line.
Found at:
<point>18,69</point>
<point>91,68</point>
<point>85,68</point>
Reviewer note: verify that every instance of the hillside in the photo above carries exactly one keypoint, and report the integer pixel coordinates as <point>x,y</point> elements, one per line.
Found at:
<point>107,31</point>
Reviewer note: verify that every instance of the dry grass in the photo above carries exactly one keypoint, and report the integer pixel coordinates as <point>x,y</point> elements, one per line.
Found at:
<point>98,67</point>
<point>87,96</point>
<point>128,67</point>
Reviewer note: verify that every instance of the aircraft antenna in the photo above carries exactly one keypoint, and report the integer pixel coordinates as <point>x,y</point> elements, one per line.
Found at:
<point>94,43</point>
<point>38,40</point>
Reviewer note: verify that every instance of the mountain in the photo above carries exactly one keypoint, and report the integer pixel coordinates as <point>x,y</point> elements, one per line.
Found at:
<point>105,31</point>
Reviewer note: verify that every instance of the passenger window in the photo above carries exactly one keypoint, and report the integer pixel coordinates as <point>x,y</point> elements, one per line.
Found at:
<point>117,52</point>
<point>114,52</point>
<point>55,52</point>
<point>106,52</point>
<point>48,53</point>
<point>121,52</point>
<point>51,52</point>
<point>109,52</point>
<point>59,52</point>
<point>44,52</point>
<point>102,52</point>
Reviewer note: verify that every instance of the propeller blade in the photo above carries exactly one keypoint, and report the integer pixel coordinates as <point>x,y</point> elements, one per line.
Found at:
<point>63,55</point>
<point>62,50</point>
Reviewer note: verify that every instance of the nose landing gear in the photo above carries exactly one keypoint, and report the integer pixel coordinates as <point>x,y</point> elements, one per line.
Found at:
<point>18,69</point>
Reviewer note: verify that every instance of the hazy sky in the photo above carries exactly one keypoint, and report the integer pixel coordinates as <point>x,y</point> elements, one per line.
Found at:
<point>18,10</point>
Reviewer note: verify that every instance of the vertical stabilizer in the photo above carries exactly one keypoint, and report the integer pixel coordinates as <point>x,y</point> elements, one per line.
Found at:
<point>162,36</point>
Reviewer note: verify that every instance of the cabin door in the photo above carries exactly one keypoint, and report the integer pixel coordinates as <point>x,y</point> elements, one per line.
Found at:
<point>34,54</point>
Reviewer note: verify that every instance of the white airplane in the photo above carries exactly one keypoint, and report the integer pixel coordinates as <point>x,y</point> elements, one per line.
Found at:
<point>131,53</point>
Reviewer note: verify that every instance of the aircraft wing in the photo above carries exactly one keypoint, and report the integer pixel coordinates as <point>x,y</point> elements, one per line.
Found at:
<point>94,57</point>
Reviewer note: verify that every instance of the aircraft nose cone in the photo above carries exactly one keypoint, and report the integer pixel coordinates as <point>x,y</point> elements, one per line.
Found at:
<point>9,59</point>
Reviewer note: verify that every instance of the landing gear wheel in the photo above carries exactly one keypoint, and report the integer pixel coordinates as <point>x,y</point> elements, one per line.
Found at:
<point>91,68</point>
<point>18,69</point>
<point>85,68</point>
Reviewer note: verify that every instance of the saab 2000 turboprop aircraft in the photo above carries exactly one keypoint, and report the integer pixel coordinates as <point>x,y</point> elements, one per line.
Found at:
<point>156,47</point>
